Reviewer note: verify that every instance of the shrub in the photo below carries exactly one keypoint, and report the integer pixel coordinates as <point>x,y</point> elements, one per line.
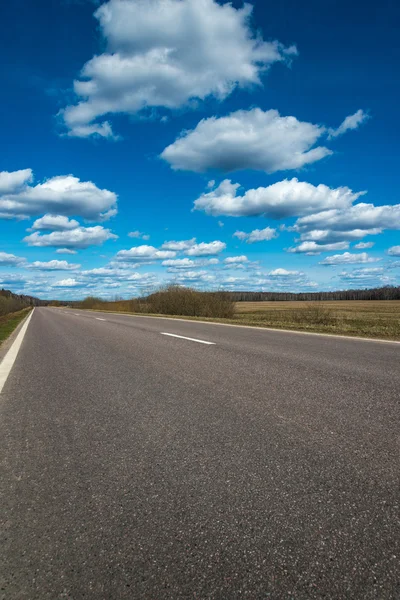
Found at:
<point>170,300</point>
<point>176,300</point>
<point>91,302</point>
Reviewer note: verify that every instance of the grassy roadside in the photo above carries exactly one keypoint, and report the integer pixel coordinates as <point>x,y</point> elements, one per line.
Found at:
<point>372,319</point>
<point>9,322</point>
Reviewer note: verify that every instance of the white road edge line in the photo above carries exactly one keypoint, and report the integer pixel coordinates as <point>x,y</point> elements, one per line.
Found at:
<point>8,361</point>
<point>190,339</point>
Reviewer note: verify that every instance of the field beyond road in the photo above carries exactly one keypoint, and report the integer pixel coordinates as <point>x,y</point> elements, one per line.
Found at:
<point>377,319</point>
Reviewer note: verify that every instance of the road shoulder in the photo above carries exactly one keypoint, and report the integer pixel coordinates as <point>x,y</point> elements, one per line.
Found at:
<point>7,343</point>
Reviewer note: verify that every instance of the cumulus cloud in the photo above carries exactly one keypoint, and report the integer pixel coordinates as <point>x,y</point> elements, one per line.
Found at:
<point>54,223</point>
<point>138,235</point>
<point>65,251</point>
<point>114,273</point>
<point>67,283</point>
<point>348,259</point>
<point>81,237</point>
<point>234,260</point>
<point>394,251</point>
<point>251,139</point>
<point>284,273</point>
<point>64,195</point>
<point>364,245</point>
<point>12,279</point>
<point>361,275</point>
<point>166,53</point>
<point>258,235</point>
<point>204,249</point>
<point>145,253</point>
<point>10,260</point>
<point>179,263</point>
<point>11,182</point>
<point>350,122</point>
<point>326,236</point>
<point>314,248</point>
<point>195,276</point>
<point>360,216</point>
<point>53,265</point>
<point>286,198</point>
<point>179,246</point>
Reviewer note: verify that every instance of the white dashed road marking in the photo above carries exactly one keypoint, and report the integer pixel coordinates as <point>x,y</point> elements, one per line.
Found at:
<point>188,338</point>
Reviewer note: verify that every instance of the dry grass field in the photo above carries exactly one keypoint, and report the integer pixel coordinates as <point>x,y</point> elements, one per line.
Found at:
<point>380,319</point>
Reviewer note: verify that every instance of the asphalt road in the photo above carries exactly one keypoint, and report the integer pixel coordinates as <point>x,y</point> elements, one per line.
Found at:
<point>139,465</point>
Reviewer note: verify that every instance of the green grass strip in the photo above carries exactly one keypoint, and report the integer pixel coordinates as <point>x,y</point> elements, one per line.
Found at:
<point>9,322</point>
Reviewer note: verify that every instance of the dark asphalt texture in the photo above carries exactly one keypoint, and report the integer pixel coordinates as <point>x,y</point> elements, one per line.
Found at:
<point>148,467</point>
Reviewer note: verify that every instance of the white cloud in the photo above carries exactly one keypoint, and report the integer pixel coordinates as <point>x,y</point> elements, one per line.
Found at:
<point>179,246</point>
<point>62,195</point>
<point>326,236</point>
<point>258,235</point>
<point>102,272</point>
<point>286,198</point>
<point>364,245</point>
<point>195,276</point>
<point>54,265</point>
<point>234,260</point>
<point>284,273</point>
<point>138,235</point>
<point>252,139</point>
<point>66,283</point>
<point>204,249</point>
<point>350,122</point>
<point>314,248</point>
<point>54,223</point>
<point>348,259</point>
<point>360,216</point>
<point>81,237</point>
<point>147,253</point>
<point>65,251</point>
<point>366,275</point>
<point>394,251</point>
<point>10,260</point>
<point>179,263</point>
<point>14,180</point>
<point>164,53</point>
<point>395,264</point>
<point>11,279</point>
<point>96,130</point>
<point>115,273</point>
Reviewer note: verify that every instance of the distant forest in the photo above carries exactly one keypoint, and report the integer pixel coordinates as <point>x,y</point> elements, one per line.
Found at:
<point>10,303</point>
<point>383,293</point>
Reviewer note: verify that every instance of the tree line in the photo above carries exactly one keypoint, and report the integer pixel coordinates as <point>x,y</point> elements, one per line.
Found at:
<point>381,293</point>
<point>10,303</point>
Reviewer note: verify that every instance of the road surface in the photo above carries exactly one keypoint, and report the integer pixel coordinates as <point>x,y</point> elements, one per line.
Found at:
<point>260,465</point>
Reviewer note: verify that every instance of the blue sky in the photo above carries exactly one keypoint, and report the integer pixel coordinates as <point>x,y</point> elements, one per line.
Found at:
<point>242,146</point>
